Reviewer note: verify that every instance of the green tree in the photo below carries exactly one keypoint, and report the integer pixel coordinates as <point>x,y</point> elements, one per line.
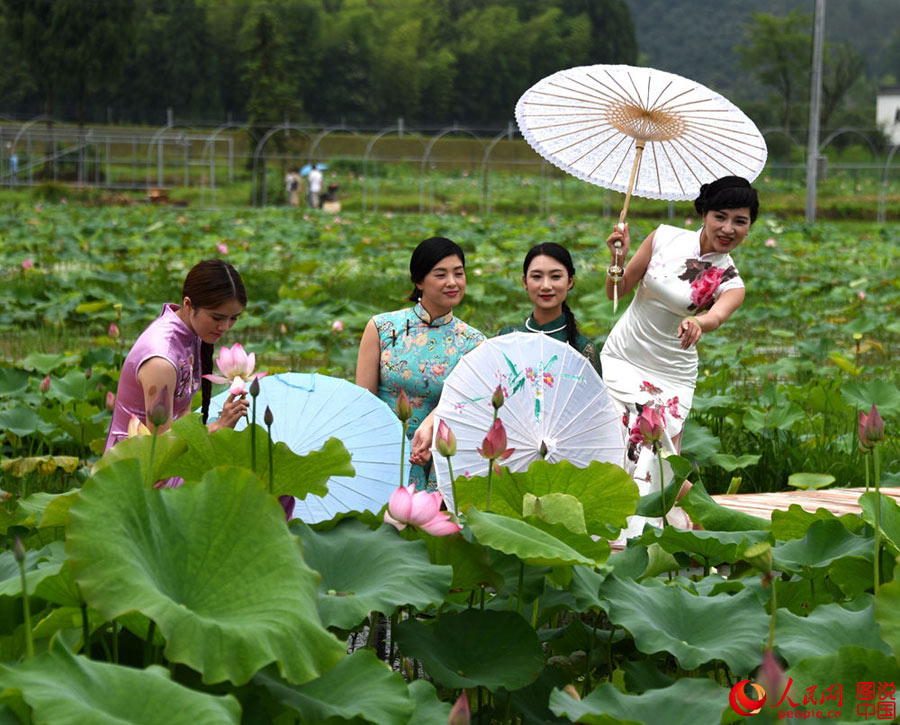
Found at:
<point>778,52</point>
<point>843,68</point>
<point>266,68</point>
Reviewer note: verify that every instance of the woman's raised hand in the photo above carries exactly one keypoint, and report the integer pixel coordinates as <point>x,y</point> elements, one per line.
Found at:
<point>619,234</point>
<point>233,410</point>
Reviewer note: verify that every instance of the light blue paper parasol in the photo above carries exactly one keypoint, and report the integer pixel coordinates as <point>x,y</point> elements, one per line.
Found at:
<point>308,409</point>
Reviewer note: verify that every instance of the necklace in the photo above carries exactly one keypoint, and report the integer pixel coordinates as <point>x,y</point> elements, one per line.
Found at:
<point>546,332</point>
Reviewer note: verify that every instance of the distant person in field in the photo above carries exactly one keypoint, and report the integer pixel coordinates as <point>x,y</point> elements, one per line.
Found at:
<point>415,349</point>
<point>176,350</point>
<point>315,186</point>
<point>687,286</point>
<point>548,275</point>
<point>294,184</point>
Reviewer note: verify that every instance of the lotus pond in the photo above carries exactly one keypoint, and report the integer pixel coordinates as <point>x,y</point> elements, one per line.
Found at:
<point>206,602</point>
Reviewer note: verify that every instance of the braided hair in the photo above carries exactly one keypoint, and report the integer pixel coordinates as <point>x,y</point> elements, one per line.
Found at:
<point>211,283</point>
<point>561,255</point>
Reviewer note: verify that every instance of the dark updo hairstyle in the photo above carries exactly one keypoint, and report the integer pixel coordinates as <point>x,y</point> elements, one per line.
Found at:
<point>211,283</point>
<point>729,192</point>
<point>561,255</point>
<point>426,256</point>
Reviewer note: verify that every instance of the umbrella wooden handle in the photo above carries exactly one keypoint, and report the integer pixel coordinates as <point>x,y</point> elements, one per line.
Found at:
<point>638,152</point>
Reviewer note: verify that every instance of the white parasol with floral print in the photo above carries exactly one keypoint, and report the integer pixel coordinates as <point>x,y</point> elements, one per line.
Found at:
<point>555,407</point>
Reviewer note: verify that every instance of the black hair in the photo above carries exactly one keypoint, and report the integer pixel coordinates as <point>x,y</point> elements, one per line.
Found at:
<point>561,255</point>
<point>729,192</point>
<point>426,256</point>
<point>211,283</point>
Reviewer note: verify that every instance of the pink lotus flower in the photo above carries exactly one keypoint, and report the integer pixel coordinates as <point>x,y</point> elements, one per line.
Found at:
<point>222,248</point>
<point>45,384</point>
<point>871,428</point>
<point>136,427</point>
<point>236,367</point>
<point>110,400</point>
<point>493,447</point>
<point>114,331</point>
<point>422,509</point>
<point>160,408</point>
<point>459,713</point>
<point>861,294</point>
<point>445,441</point>
<point>337,326</point>
<point>770,242</point>
<point>27,263</point>
<point>648,428</point>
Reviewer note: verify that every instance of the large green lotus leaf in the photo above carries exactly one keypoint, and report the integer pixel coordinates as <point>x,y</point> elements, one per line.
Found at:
<point>213,565</point>
<point>689,701</point>
<point>532,702</point>
<point>12,381</point>
<point>853,576</point>
<point>861,396</point>
<point>521,539</point>
<point>471,563</point>
<point>846,668</point>
<point>71,386</point>
<point>556,508</point>
<point>827,628</point>
<point>698,442</point>
<point>695,629</point>
<point>429,709</point>
<point>794,523</point>
<point>65,689</point>
<point>169,449</point>
<point>359,686</point>
<point>650,504</point>
<point>294,475</point>
<point>714,546</point>
<point>585,588</point>
<point>474,648</point>
<point>713,517</point>
<point>825,542</point>
<point>20,421</point>
<point>367,571</point>
<point>597,549</point>
<point>889,519</point>
<point>606,492</point>
<point>39,565</point>
<point>887,611</point>
<point>45,363</point>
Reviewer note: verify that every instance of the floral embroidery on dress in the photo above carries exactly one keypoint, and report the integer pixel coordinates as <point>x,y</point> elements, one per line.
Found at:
<point>705,279</point>
<point>185,383</point>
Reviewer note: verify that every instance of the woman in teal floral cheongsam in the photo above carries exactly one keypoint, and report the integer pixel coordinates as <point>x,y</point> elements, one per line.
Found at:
<point>414,349</point>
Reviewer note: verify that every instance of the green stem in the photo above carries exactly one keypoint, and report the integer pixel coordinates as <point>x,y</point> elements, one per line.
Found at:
<point>876,464</point>
<point>452,486</point>
<point>403,451</point>
<point>26,611</point>
<point>866,461</point>
<point>521,586</point>
<point>253,439</point>
<point>774,610</point>
<point>148,645</point>
<point>490,472</point>
<point>149,481</point>
<point>85,631</point>
<point>115,645</point>
<point>662,486</point>
<point>271,467</point>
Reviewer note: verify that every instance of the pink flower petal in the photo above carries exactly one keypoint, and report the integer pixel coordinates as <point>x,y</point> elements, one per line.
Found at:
<point>217,379</point>
<point>440,525</point>
<point>388,519</point>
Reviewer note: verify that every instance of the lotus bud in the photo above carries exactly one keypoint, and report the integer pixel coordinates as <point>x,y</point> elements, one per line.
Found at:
<point>114,331</point>
<point>110,400</point>
<point>45,384</point>
<point>254,388</point>
<point>459,713</point>
<point>19,551</point>
<point>572,692</point>
<point>497,399</point>
<point>650,426</point>
<point>865,445</point>
<point>874,426</point>
<point>283,329</point>
<point>404,410</point>
<point>770,674</point>
<point>268,418</point>
<point>446,441</point>
<point>759,555</point>
<point>337,326</point>
<point>287,503</point>
<point>159,409</point>
<point>27,263</point>
<point>493,447</point>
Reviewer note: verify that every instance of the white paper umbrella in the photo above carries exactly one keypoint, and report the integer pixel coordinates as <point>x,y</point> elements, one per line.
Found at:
<point>556,408</point>
<point>308,409</point>
<point>592,121</point>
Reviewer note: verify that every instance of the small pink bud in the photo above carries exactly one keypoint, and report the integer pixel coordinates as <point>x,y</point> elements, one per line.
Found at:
<point>861,294</point>
<point>45,384</point>
<point>337,326</point>
<point>459,713</point>
<point>770,242</point>
<point>497,399</point>
<point>110,400</point>
<point>160,409</point>
<point>493,447</point>
<point>446,441</point>
<point>27,263</point>
<point>19,551</point>
<point>222,248</point>
<point>874,426</point>
<point>283,329</point>
<point>114,331</point>
<point>404,410</point>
